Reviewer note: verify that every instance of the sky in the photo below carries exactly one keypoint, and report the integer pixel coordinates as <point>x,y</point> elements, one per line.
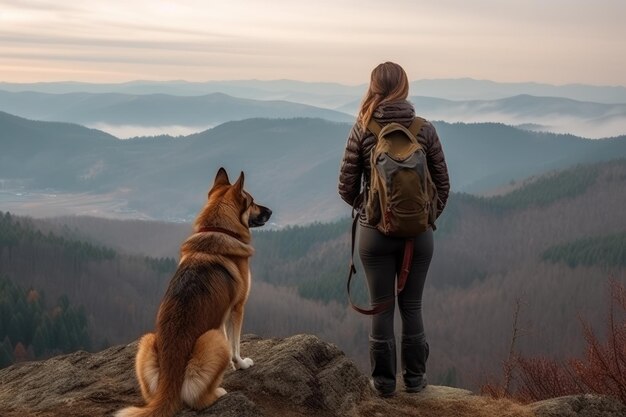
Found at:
<point>551,41</point>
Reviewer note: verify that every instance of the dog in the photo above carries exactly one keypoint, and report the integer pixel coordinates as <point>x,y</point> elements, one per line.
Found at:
<point>198,324</point>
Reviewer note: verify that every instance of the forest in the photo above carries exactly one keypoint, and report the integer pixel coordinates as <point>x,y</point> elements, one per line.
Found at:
<point>547,241</point>
<point>32,329</point>
<point>83,273</point>
<point>608,250</point>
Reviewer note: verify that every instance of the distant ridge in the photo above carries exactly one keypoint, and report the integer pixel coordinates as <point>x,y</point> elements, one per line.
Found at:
<point>471,89</point>
<point>455,89</point>
<point>153,109</point>
<point>291,164</point>
<point>180,107</point>
<point>550,114</point>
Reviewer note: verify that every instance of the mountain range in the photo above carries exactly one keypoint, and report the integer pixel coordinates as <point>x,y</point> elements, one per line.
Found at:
<point>154,110</point>
<point>127,115</point>
<point>549,114</point>
<point>291,164</point>
<point>334,94</point>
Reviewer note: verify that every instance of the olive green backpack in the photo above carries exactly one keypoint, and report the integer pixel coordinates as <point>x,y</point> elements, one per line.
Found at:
<point>401,200</point>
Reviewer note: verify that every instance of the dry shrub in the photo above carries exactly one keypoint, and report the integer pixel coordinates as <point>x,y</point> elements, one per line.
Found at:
<point>541,378</point>
<point>601,370</point>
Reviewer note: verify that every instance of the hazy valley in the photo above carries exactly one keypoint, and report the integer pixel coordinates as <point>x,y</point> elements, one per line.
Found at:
<point>182,108</point>
<point>551,233</point>
<point>57,166</point>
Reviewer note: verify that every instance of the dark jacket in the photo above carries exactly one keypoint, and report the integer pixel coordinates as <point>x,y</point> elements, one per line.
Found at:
<point>355,167</point>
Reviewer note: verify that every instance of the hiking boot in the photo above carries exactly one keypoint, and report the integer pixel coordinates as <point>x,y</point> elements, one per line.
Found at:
<point>414,353</point>
<point>418,386</point>
<point>383,364</point>
<point>382,394</point>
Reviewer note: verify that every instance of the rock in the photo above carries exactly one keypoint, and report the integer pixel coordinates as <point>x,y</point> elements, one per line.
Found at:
<point>302,373</point>
<point>587,405</point>
<point>235,404</point>
<point>444,393</point>
<point>439,401</point>
<point>295,376</point>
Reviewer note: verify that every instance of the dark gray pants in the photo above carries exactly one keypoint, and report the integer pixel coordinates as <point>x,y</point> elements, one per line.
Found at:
<point>382,260</point>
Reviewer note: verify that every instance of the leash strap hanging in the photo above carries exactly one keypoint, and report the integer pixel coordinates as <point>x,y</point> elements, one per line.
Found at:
<point>409,245</point>
<point>402,278</point>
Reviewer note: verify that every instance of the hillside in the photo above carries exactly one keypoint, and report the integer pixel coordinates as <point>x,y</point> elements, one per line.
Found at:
<point>120,292</point>
<point>166,178</point>
<point>20,137</point>
<point>488,251</point>
<point>32,327</point>
<point>106,283</point>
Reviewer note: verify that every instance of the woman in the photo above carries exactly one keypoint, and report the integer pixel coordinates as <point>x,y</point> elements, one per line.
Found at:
<point>382,256</point>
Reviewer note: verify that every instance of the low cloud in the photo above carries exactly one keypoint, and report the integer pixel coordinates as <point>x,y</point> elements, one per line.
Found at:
<point>131,131</point>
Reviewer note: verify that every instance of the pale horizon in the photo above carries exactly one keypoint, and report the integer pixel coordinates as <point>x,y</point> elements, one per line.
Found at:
<point>226,80</point>
<point>558,42</point>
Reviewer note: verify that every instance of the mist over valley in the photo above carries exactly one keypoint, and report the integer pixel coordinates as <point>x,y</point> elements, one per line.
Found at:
<point>144,108</point>
<point>532,213</point>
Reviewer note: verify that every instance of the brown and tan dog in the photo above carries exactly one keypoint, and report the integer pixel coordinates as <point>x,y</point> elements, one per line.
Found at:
<point>198,324</point>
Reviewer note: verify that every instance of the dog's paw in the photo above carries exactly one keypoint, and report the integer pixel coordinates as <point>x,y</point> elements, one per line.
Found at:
<point>243,363</point>
<point>220,392</point>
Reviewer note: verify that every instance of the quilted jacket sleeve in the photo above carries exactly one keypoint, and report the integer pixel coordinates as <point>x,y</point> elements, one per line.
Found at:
<point>438,168</point>
<point>351,167</point>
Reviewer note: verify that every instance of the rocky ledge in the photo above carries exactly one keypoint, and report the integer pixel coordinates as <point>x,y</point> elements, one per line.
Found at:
<point>297,376</point>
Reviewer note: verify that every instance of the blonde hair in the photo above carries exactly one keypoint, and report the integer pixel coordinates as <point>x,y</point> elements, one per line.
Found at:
<point>388,82</point>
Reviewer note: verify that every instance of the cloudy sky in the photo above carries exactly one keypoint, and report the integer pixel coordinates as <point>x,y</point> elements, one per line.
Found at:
<point>554,41</point>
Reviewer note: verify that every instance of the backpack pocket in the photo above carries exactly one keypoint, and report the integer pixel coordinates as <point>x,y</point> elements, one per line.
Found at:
<point>407,223</point>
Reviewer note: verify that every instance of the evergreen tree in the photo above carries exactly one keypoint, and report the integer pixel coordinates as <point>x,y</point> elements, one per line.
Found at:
<point>29,330</point>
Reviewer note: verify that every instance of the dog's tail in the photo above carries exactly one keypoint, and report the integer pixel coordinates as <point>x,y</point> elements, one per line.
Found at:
<point>174,349</point>
<point>165,403</point>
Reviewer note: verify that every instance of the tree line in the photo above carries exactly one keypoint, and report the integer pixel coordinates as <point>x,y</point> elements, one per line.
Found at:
<point>608,250</point>
<point>30,328</point>
<point>120,292</point>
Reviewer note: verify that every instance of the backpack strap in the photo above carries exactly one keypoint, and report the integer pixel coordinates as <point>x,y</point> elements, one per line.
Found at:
<point>416,126</point>
<point>374,127</point>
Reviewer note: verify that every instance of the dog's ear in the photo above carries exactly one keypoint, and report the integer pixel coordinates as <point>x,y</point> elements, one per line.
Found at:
<point>238,186</point>
<point>221,178</point>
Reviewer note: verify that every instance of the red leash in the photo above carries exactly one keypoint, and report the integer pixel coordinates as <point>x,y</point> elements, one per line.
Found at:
<point>406,263</point>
